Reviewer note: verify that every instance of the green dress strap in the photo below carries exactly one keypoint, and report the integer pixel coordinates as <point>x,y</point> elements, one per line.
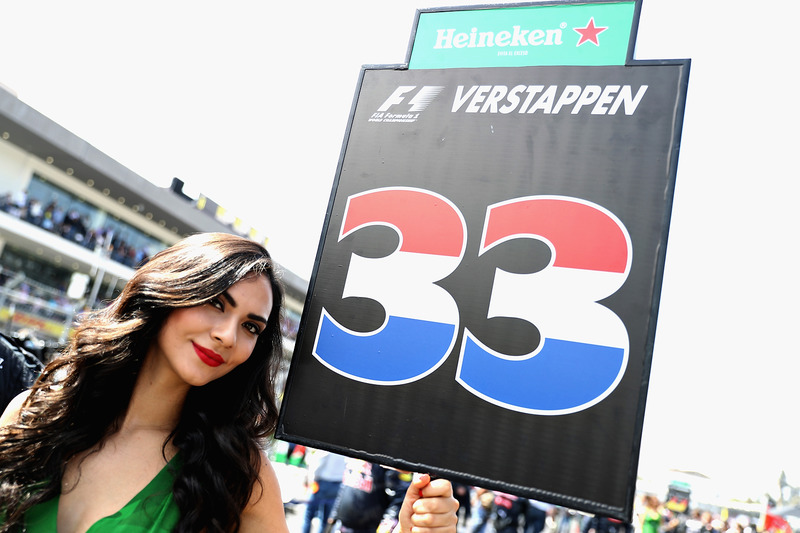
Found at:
<point>152,510</point>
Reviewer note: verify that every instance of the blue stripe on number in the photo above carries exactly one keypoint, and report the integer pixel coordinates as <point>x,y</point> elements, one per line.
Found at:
<point>404,349</point>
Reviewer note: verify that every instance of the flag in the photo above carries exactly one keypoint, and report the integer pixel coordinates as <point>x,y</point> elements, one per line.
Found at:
<point>775,524</point>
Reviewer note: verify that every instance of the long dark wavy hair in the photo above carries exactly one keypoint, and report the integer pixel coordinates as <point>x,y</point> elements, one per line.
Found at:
<point>82,394</point>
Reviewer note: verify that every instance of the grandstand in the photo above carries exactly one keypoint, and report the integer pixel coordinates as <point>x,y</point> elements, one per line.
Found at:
<point>75,223</point>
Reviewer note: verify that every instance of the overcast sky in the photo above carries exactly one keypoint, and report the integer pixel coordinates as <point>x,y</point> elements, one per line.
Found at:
<point>247,102</point>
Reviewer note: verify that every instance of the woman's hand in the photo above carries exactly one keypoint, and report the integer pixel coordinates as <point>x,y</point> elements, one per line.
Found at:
<point>429,507</point>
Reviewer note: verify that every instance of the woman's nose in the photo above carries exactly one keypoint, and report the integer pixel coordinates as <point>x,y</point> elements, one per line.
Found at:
<point>225,333</point>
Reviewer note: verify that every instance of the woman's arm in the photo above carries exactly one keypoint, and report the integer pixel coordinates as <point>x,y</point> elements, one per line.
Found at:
<point>429,507</point>
<point>265,512</point>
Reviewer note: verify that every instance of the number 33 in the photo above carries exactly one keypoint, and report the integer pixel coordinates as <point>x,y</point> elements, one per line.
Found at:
<point>583,351</point>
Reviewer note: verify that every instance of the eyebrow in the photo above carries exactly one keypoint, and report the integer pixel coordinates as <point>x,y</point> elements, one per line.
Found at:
<point>232,302</point>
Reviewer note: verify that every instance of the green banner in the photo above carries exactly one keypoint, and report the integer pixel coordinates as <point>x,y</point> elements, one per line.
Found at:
<point>538,35</point>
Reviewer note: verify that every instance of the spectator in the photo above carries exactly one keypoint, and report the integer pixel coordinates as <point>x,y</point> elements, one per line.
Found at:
<point>325,472</point>
<point>370,496</point>
<point>19,368</point>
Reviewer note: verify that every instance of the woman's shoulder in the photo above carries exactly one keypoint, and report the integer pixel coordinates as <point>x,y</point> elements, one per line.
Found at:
<point>13,408</point>
<point>265,511</point>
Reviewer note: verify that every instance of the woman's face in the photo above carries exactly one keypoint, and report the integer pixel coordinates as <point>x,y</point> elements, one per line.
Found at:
<point>205,342</point>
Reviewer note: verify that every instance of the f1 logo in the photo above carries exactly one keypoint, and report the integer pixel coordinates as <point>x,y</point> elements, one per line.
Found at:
<point>420,100</point>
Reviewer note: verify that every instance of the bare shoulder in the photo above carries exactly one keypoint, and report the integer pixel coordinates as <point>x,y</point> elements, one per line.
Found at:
<point>13,408</point>
<point>264,512</point>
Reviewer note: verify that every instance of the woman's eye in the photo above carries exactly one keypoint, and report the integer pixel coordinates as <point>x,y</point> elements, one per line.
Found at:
<point>216,302</point>
<point>252,328</point>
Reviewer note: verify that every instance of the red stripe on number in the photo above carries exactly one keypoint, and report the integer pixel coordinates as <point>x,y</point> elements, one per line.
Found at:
<point>427,223</point>
<point>583,236</point>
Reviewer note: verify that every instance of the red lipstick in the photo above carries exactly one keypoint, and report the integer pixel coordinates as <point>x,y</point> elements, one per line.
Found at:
<point>209,357</point>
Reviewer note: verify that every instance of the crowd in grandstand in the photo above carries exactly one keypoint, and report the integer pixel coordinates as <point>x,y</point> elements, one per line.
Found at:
<point>71,225</point>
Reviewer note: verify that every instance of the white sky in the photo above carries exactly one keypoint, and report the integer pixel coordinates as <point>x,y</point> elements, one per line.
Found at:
<point>248,104</point>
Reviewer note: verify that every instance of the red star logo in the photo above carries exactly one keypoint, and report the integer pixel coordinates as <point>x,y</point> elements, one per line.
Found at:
<point>590,33</point>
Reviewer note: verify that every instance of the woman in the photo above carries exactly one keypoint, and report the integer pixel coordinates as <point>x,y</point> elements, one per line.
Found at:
<point>651,514</point>
<point>152,418</point>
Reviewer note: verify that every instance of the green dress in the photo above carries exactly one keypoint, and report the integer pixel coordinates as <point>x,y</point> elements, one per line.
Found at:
<point>153,510</point>
<point>651,522</point>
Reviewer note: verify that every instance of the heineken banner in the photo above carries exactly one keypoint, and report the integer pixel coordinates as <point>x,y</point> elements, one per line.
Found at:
<point>592,33</point>
<point>484,300</point>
